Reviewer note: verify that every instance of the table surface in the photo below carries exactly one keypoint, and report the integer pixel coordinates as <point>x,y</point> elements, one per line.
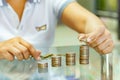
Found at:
<point>28,69</point>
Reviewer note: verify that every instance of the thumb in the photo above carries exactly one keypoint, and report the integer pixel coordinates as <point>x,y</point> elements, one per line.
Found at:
<point>82,37</point>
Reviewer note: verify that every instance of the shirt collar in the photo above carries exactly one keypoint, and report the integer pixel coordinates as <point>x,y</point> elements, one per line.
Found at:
<point>3,2</point>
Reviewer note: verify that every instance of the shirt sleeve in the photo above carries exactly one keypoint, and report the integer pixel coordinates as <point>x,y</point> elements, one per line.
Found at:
<point>59,6</point>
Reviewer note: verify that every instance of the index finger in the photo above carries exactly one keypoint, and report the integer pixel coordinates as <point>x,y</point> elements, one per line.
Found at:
<point>94,35</point>
<point>31,49</point>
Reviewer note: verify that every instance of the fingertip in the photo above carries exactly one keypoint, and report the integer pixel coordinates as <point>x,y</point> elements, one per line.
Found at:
<point>88,40</point>
<point>81,36</point>
<point>38,58</point>
<point>106,52</point>
<point>11,59</point>
<point>38,52</point>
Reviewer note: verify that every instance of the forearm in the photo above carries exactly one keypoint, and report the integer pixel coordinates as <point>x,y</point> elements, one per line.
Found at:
<point>94,23</point>
<point>80,19</point>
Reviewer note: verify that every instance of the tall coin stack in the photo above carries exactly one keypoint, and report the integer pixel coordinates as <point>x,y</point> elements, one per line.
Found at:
<point>70,58</point>
<point>56,61</point>
<point>84,54</point>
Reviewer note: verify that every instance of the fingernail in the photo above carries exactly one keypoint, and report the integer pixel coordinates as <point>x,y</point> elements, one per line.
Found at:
<point>88,39</point>
<point>38,58</point>
<point>81,36</point>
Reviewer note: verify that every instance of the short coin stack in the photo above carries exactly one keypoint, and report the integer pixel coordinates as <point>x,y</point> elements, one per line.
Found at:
<point>56,61</point>
<point>42,67</point>
<point>70,58</point>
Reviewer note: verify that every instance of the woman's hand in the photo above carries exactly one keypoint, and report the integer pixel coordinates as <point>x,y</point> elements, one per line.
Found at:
<point>19,48</point>
<point>89,26</point>
<point>100,40</point>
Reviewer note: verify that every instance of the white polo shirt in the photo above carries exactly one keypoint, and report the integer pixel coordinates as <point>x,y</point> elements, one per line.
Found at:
<point>38,22</point>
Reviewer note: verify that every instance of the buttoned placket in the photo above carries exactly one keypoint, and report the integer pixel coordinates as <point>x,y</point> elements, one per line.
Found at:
<point>13,17</point>
<point>24,16</point>
<point>25,12</point>
<point>27,8</point>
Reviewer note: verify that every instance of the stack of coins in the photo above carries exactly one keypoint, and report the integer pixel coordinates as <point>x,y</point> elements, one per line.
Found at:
<point>56,61</point>
<point>84,54</point>
<point>70,59</point>
<point>42,67</point>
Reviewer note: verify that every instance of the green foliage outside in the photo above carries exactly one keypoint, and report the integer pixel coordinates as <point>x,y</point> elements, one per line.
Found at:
<point>92,5</point>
